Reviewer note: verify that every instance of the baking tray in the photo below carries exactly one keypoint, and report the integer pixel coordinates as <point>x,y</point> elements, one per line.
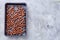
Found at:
<point>15,19</point>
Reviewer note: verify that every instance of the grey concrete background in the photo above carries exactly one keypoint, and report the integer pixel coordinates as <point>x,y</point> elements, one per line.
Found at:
<point>43,20</point>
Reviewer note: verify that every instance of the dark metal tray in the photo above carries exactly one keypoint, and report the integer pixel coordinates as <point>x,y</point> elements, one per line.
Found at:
<point>9,17</point>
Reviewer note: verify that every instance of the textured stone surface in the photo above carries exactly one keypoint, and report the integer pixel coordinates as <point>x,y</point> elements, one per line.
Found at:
<point>43,20</point>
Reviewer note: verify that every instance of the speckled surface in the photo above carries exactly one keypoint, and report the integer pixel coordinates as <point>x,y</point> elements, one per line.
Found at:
<point>43,20</point>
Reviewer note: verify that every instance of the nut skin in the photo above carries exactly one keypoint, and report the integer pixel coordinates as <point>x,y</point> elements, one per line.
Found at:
<point>15,20</point>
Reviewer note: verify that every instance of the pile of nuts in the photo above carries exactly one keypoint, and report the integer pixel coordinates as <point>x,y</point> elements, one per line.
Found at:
<point>16,20</point>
